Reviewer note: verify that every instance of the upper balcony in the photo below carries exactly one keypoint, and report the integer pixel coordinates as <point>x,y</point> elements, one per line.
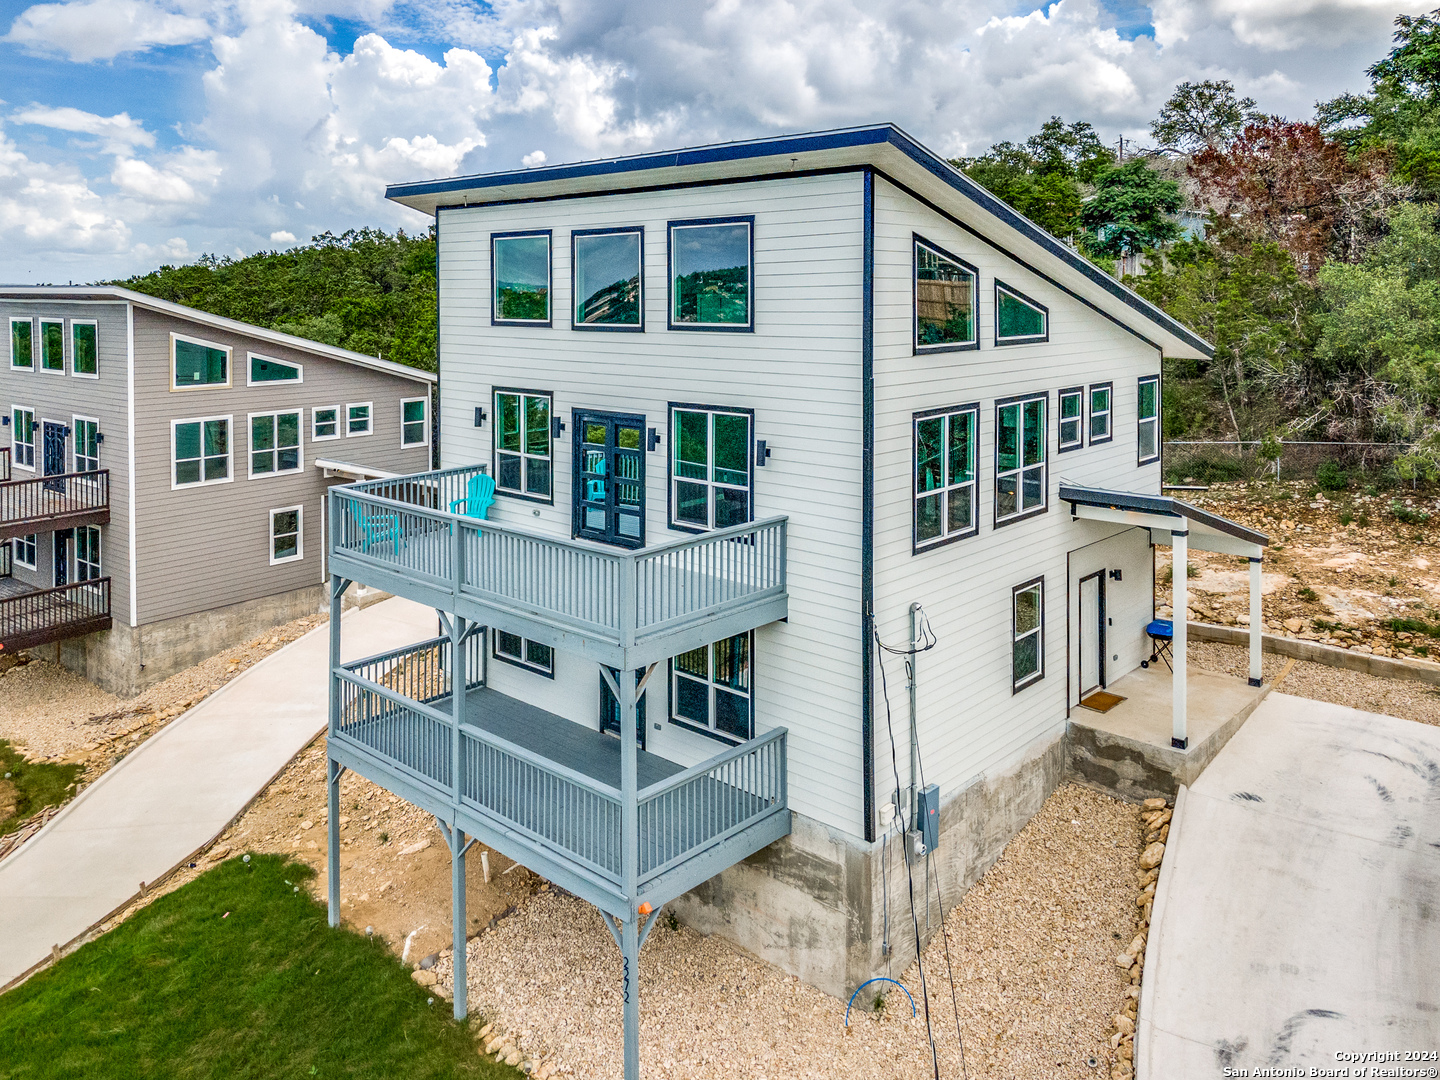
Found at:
<point>60,501</point>
<point>624,609</point>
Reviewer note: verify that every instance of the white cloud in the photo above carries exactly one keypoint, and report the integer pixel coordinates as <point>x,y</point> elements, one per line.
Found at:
<point>52,208</point>
<point>1277,25</point>
<point>103,29</point>
<point>282,236</point>
<point>119,132</point>
<point>534,159</point>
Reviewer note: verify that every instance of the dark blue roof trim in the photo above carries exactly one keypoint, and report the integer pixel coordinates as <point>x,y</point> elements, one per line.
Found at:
<point>1159,504</point>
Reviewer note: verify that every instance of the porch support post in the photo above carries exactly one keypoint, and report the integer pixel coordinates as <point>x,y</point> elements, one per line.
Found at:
<point>630,862</point>
<point>630,957</point>
<point>333,768</point>
<point>457,920</point>
<point>1179,606</point>
<point>1257,621</point>
<point>459,677</point>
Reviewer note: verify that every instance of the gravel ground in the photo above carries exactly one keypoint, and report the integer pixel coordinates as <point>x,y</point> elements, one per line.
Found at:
<point>1032,944</point>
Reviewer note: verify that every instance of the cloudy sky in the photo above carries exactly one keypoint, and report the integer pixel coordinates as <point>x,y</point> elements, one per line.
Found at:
<point>136,132</point>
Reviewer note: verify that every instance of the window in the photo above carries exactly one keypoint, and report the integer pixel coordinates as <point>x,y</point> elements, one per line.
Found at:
<point>201,450</point>
<point>608,279</point>
<point>357,419</point>
<point>1020,486</point>
<point>1027,647</point>
<point>531,655</point>
<point>52,346</point>
<point>1018,319</point>
<point>263,369</point>
<point>414,422</point>
<point>198,363</point>
<point>711,274</point>
<point>610,708</point>
<point>87,553</point>
<point>1072,431</point>
<point>24,549</point>
<point>87,444</point>
<point>287,540</point>
<point>945,475</point>
<point>1100,414</point>
<point>944,301</point>
<point>22,442</point>
<point>522,443</point>
<point>1148,435</point>
<point>325,423</point>
<point>22,343</point>
<point>709,467</point>
<point>84,354</point>
<point>520,266</point>
<point>710,688</point>
<point>274,443</point>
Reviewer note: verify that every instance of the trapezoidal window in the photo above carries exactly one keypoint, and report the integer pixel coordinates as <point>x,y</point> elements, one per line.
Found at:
<point>198,363</point>
<point>1018,319</point>
<point>944,300</point>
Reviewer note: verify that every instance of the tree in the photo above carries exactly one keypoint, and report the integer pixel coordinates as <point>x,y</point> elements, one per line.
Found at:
<point>1200,115</point>
<point>1129,212</point>
<point>1073,151</point>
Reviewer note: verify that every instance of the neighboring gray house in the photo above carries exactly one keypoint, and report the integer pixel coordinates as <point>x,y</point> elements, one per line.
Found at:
<point>167,468</point>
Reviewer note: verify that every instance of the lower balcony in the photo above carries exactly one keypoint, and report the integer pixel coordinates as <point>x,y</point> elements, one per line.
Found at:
<point>39,504</point>
<point>31,617</point>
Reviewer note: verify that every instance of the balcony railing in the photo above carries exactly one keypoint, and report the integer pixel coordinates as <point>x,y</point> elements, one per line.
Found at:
<point>48,615</point>
<point>47,503</point>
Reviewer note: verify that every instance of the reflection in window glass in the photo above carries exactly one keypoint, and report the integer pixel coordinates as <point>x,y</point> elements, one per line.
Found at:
<point>1071,434</point>
<point>84,360</point>
<point>710,274</point>
<point>522,278</point>
<point>944,300</point>
<point>944,476</point>
<point>285,534</point>
<point>710,687</point>
<point>266,370</point>
<point>202,451</point>
<point>1017,319</point>
<point>710,471</point>
<point>522,443</point>
<point>52,345</point>
<point>200,365</point>
<point>1148,435</point>
<point>1027,652</point>
<point>22,344</point>
<point>274,443</point>
<point>1099,413</point>
<point>607,279</point>
<point>1019,457</point>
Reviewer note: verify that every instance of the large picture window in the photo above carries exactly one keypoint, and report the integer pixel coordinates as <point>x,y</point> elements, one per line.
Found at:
<point>944,300</point>
<point>22,344</point>
<point>52,346</point>
<point>198,363</point>
<point>945,501</point>
<point>1027,647</point>
<point>712,274</point>
<point>709,467</point>
<point>1100,430</point>
<point>522,443</point>
<point>84,350</point>
<point>1072,431</point>
<point>22,442</point>
<point>607,285</point>
<point>1147,437</point>
<point>201,450</point>
<point>1020,453</point>
<point>1018,319</point>
<point>531,655</point>
<point>274,443</point>
<point>520,269</point>
<point>710,688</point>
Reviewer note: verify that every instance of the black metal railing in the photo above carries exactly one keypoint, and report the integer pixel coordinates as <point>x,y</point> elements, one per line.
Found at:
<point>47,615</point>
<point>57,501</point>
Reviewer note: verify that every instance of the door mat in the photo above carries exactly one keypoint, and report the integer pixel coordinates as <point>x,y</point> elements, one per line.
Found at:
<point>1101,701</point>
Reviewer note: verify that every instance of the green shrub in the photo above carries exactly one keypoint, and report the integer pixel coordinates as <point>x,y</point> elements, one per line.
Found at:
<point>1308,594</point>
<point>1406,514</point>
<point>1332,477</point>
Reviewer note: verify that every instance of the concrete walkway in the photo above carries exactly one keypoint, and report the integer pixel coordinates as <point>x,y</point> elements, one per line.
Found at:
<point>1298,910</point>
<point>182,786</point>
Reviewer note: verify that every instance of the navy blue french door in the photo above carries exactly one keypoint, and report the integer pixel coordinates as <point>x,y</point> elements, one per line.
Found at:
<point>609,478</point>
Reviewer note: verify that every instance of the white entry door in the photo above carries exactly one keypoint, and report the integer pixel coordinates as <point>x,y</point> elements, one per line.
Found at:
<point>1092,633</point>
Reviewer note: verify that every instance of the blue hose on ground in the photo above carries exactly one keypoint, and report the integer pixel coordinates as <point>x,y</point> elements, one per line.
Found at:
<point>866,983</point>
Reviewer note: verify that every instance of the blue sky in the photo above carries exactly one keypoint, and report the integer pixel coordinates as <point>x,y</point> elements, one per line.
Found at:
<point>136,132</point>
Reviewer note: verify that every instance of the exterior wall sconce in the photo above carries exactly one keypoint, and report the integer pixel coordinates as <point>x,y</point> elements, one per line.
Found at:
<point>557,427</point>
<point>653,439</point>
<point>761,452</point>
<point>1115,575</point>
<point>479,416</point>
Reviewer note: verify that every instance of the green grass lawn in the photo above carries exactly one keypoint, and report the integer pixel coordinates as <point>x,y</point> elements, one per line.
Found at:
<point>183,989</point>
<point>36,785</point>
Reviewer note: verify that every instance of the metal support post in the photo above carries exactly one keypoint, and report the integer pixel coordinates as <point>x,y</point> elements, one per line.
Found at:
<point>332,768</point>
<point>630,957</point>
<point>458,678</point>
<point>1257,623</point>
<point>1179,607</point>
<point>914,719</point>
<point>630,862</point>
<point>457,920</point>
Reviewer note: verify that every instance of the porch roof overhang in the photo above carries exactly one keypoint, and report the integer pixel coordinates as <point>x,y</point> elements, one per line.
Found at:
<point>1163,515</point>
<point>351,471</point>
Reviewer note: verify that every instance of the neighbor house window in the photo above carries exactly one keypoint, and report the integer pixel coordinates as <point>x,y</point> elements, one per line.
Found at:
<point>945,500</point>
<point>531,655</point>
<point>22,343</point>
<point>1148,409</point>
<point>357,419</point>
<point>264,369</point>
<point>709,467</point>
<point>287,540</point>
<point>1072,430</point>
<point>198,363</point>
<point>274,443</point>
<point>1018,319</point>
<point>522,443</point>
<point>84,350</point>
<point>24,549</point>
<point>87,444</point>
<point>1027,648</point>
<point>22,441</point>
<point>712,274</point>
<point>52,346</point>
<point>944,300</point>
<point>610,708</point>
<point>201,450</point>
<point>520,269</point>
<point>1100,414</point>
<point>325,423</point>
<point>608,278</point>
<point>87,553</point>
<point>414,422</point>
<point>710,688</point>
<point>1020,486</point>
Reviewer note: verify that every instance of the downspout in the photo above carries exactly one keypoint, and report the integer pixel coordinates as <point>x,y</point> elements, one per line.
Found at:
<point>867,507</point>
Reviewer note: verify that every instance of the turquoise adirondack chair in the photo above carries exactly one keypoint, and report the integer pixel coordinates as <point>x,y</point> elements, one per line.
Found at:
<point>379,528</point>
<point>479,497</point>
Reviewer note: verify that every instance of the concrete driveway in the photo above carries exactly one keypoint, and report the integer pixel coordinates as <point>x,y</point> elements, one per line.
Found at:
<point>1297,915</point>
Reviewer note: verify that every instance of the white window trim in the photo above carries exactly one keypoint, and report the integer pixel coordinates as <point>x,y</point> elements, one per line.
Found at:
<point>520,661</point>
<point>1140,421</point>
<point>229,365</point>
<point>425,401</point>
<point>943,491</point>
<point>34,362</point>
<point>299,535</point>
<point>75,455</point>
<point>1019,471</point>
<point>1081,418</point>
<point>1108,412</point>
<point>250,450</point>
<point>14,440</point>
<point>711,689</point>
<point>42,322</point>
<point>709,483</point>
<point>524,455</point>
<point>75,562</point>
<point>70,337</point>
<point>252,356</point>
<point>34,545</point>
<point>1033,305</point>
<point>369,419</point>
<point>229,452</point>
<point>1038,632</point>
<point>339,420</point>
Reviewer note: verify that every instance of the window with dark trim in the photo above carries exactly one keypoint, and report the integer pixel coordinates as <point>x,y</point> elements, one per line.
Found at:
<point>87,553</point>
<point>1019,320</point>
<point>607,279</point>
<point>610,708</point>
<point>522,652</point>
<point>945,488</point>
<point>520,278</point>
<point>1021,484</point>
<point>710,689</point>
<point>945,300</point>
<point>522,443</point>
<point>1147,435</point>
<point>1027,630</point>
<point>1100,411</point>
<point>712,274</point>
<point>710,472</point>
<point>22,344</point>
<point>1072,420</point>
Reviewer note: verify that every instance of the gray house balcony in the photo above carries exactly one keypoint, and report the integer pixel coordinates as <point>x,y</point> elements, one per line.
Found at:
<point>48,503</point>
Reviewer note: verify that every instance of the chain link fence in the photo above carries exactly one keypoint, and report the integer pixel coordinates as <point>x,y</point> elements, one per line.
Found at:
<point>1214,462</point>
